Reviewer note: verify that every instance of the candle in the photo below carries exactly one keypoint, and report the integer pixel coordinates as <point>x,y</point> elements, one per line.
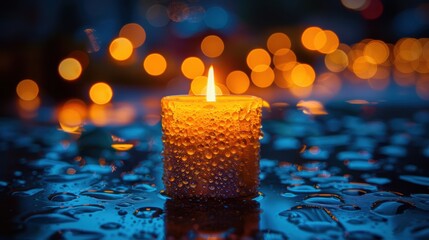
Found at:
<point>211,144</point>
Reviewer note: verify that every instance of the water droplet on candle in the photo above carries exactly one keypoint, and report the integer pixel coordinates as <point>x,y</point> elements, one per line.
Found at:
<point>215,151</point>
<point>243,143</point>
<point>200,130</point>
<point>261,135</point>
<point>200,147</point>
<point>208,155</point>
<point>190,151</point>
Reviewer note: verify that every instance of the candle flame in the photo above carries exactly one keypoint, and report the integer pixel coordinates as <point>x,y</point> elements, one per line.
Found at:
<point>211,91</point>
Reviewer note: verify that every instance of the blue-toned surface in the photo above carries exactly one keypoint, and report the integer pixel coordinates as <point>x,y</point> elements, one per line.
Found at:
<point>345,175</point>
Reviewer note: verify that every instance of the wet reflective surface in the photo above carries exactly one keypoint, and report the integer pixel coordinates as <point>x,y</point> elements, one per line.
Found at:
<point>359,172</point>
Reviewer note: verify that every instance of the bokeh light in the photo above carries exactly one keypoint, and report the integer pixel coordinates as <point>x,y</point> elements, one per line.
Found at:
<point>330,39</point>
<point>258,57</point>
<point>364,67</point>
<point>77,105</point>
<point>212,46</point>
<point>324,41</point>
<point>320,40</point>
<point>262,77</point>
<point>70,69</point>
<point>121,49</point>
<point>282,79</point>
<point>237,82</point>
<point>100,93</point>
<point>408,49</point>
<point>277,41</point>
<point>134,33</point>
<point>377,50</point>
<point>99,114</point>
<point>373,10</point>
<point>284,59</point>
<point>27,90</point>
<point>336,61</point>
<point>355,4</point>
<point>309,35</point>
<point>303,75</point>
<point>192,67</point>
<point>199,86</point>
<point>155,64</point>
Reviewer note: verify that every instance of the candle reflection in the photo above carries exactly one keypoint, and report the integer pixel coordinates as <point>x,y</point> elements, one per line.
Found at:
<point>232,219</point>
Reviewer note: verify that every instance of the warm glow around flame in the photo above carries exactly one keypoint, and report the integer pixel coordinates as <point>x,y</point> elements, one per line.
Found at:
<point>211,89</point>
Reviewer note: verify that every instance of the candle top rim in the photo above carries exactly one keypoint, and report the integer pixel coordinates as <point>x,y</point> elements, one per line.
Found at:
<point>219,98</point>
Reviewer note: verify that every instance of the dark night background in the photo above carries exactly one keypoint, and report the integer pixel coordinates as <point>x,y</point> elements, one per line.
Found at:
<point>36,35</point>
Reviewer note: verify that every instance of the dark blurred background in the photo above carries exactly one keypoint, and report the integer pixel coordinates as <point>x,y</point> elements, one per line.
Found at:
<point>36,36</point>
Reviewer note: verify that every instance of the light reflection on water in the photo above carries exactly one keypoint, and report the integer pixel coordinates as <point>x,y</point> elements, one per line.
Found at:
<point>369,183</point>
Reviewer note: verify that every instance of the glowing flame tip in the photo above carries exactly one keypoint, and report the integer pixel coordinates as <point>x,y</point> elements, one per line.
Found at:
<point>211,91</point>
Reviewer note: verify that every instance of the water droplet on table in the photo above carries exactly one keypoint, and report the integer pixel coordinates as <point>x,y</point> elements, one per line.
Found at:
<point>148,212</point>
<point>390,207</point>
<point>62,197</point>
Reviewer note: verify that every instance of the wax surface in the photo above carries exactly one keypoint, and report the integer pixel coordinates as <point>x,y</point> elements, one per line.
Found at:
<point>211,149</point>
